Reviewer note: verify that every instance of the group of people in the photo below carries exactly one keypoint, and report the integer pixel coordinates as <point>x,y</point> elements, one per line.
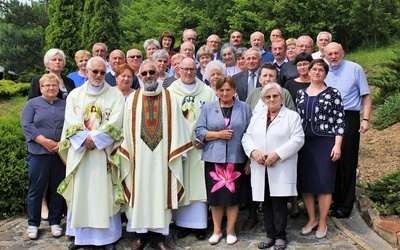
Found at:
<point>170,137</point>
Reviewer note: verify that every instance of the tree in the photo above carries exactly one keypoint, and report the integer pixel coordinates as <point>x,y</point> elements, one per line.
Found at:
<point>22,38</point>
<point>100,23</point>
<point>63,31</point>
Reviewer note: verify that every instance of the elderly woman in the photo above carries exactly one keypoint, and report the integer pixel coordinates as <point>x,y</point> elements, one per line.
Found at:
<point>273,161</point>
<point>124,76</point>
<point>322,116</point>
<point>291,49</point>
<point>214,71</point>
<point>160,58</point>
<point>220,128</point>
<point>302,62</point>
<point>42,122</point>
<point>54,61</point>
<point>240,61</point>
<point>204,56</point>
<point>228,56</point>
<point>150,46</point>
<point>167,41</point>
<point>81,58</point>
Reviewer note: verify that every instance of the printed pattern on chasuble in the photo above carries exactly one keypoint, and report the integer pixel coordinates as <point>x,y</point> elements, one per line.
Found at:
<point>152,127</point>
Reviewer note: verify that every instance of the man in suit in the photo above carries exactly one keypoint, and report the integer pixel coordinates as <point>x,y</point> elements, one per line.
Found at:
<point>257,41</point>
<point>289,69</point>
<point>117,57</point>
<point>247,80</point>
<point>213,42</point>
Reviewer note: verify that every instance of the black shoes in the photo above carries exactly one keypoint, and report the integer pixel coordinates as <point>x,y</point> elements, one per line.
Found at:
<point>338,213</point>
<point>199,233</point>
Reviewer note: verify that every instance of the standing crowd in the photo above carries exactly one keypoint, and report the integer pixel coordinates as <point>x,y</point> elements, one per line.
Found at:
<point>190,130</point>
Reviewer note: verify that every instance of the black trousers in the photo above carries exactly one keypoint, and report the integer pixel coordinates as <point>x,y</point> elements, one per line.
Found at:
<point>345,185</point>
<point>275,214</point>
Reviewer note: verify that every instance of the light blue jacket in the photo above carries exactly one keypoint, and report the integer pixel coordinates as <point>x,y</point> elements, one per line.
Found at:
<point>212,119</point>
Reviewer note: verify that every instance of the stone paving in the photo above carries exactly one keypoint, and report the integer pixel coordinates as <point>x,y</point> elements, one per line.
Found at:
<point>13,237</point>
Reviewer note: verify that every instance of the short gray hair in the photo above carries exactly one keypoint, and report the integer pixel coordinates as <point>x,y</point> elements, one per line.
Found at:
<point>150,42</point>
<point>160,53</point>
<point>51,53</point>
<point>325,32</point>
<point>271,86</point>
<point>216,64</point>
<point>95,59</point>
<point>229,46</point>
<point>100,44</point>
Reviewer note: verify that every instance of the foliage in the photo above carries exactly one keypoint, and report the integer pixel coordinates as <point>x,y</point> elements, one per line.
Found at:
<point>63,31</point>
<point>13,170</point>
<point>388,113</point>
<point>22,38</point>
<point>100,24</point>
<point>385,193</point>
<point>10,89</point>
<point>388,80</point>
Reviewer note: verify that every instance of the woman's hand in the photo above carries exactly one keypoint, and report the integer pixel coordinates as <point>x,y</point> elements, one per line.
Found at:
<point>48,144</point>
<point>226,134</point>
<point>271,159</point>
<point>258,156</point>
<point>336,152</point>
<point>198,144</point>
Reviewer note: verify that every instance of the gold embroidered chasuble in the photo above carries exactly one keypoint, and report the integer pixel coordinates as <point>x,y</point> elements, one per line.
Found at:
<point>155,138</point>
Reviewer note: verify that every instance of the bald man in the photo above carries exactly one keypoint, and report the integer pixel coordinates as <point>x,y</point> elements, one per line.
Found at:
<point>349,78</point>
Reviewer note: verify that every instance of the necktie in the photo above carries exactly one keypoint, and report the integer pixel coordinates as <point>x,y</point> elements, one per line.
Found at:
<point>250,85</point>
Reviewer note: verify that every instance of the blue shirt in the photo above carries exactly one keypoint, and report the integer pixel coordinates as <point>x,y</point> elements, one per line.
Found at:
<point>349,78</point>
<point>78,79</point>
<point>40,117</point>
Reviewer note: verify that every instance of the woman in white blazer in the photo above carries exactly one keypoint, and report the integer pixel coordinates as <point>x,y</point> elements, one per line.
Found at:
<point>272,140</point>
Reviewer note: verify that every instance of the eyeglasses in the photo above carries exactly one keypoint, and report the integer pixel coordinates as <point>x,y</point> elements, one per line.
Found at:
<point>269,97</point>
<point>96,72</point>
<point>50,86</point>
<point>135,56</point>
<point>188,70</point>
<point>151,72</point>
<point>303,64</point>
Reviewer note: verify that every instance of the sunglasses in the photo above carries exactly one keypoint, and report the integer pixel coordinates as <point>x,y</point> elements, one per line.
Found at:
<point>96,72</point>
<point>135,56</point>
<point>151,72</point>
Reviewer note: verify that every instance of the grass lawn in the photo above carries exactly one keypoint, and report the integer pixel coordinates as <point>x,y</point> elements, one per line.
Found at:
<point>12,107</point>
<point>372,58</point>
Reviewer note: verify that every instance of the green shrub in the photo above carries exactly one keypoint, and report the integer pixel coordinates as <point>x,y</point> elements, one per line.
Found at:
<point>385,193</point>
<point>387,80</point>
<point>388,113</point>
<point>13,170</point>
<point>10,89</point>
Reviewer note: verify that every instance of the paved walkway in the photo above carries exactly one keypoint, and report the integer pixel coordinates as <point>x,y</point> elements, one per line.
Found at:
<point>13,237</point>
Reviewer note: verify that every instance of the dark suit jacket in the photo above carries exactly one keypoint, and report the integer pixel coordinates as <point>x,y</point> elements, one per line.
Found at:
<point>288,71</point>
<point>241,80</point>
<point>34,90</point>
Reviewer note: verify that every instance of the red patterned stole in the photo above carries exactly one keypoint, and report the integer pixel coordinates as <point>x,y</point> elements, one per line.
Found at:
<point>151,128</point>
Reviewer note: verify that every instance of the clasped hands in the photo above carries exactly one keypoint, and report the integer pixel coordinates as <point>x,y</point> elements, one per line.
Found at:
<point>89,144</point>
<point>267,160</point>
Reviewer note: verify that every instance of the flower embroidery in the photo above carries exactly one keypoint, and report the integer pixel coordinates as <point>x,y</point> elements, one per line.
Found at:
<point>224,175</point>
